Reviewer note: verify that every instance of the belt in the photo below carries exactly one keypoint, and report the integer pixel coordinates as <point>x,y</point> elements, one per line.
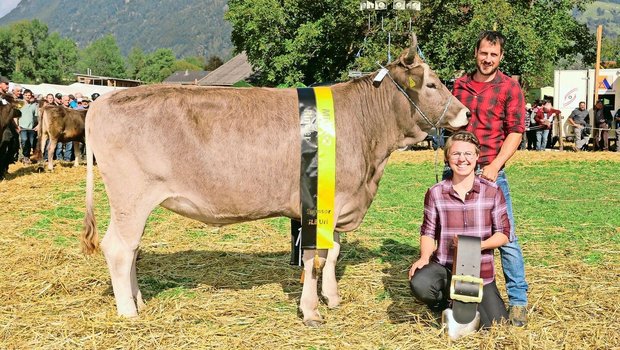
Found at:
<point>466,284</point>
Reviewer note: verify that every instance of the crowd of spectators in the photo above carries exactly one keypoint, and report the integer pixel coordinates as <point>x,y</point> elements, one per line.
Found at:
<point>541,118</point>
<point>27,125</point>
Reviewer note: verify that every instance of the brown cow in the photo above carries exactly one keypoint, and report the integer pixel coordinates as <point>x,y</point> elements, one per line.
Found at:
<point>60,124</point>
<point>227,155</point>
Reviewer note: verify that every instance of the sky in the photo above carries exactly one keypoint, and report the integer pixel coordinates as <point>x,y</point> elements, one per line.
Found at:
<point>7,5</point>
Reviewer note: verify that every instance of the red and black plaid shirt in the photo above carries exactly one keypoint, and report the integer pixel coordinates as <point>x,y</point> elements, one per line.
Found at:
<point>481,215</point>
<point>497,107</point>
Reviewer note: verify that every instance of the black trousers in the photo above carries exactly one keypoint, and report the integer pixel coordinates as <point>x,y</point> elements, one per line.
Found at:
<point>431,285</point>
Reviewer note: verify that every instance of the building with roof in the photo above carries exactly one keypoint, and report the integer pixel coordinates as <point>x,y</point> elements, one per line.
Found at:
<point>105,81</point>
<point>186,77</point>
<point>234,72</point>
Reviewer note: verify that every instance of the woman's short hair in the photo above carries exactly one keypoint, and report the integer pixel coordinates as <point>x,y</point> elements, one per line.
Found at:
<point>464,136</point>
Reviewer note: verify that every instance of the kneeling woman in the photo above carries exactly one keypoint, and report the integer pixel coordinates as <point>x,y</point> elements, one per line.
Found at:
<point>464,204</point>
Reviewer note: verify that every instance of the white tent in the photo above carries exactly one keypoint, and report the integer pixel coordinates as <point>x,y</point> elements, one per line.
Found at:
<point>84,89</point>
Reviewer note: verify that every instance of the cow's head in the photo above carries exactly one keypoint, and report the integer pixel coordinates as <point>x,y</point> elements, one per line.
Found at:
<point>9,109</point>
<point>421,92</point>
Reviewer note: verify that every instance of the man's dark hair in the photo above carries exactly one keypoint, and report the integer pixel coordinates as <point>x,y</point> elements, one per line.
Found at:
<point>27,91</point>
<point>493,37</point>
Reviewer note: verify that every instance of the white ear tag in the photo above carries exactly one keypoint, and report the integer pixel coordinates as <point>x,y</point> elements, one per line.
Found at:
<point>4,102</point>
<point>379,77</point>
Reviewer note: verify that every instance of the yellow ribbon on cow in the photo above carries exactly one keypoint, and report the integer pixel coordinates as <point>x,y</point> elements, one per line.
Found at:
<point>326,182</point>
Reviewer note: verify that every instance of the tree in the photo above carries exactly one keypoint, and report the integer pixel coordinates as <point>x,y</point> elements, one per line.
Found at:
<point>314,41</point>
<point>300,42</point>
<point>21,48</point>
<point>57,59</point>
<point>157,66</point>
<point>213,62</point>
<point>102,57</point>
<point>135,62</point>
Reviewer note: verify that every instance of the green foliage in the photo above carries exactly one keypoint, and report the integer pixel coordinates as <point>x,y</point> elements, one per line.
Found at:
<point>188,27</point>
<point>57,59</point>
<point>102,57</point>
<point>157,66</point>
<point>297,41</point>
<point>135,62</point>
<point>213,62</point>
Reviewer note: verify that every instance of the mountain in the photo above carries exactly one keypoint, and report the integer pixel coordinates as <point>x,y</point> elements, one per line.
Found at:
<point>188,27</point>
<point>605,13</point>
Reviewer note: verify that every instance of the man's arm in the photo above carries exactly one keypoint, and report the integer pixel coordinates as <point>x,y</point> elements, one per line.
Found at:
<point>510,146</point>
<point>497,240</point>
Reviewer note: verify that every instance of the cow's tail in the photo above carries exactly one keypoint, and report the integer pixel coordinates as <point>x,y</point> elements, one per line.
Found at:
<point>90,238</point>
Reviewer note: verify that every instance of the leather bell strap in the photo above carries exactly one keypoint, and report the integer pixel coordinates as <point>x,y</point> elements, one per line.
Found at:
<point>466,284</point>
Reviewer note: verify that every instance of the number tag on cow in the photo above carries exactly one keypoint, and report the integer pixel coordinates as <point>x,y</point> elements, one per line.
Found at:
<point>5,102</point>
<point>379,77</point>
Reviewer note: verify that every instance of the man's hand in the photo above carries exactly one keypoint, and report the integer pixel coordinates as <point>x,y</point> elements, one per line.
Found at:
<point>417,265</point>
<point>490,172</point>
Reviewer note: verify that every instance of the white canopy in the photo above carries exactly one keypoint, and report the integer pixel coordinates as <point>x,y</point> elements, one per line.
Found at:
<point>84,89</point>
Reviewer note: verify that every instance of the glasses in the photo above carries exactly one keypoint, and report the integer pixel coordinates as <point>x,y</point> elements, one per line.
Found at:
<point>467,155</point>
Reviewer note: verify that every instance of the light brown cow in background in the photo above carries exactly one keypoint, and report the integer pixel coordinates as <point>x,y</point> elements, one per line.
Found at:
<point>59,124</point>
<point>228,155</point>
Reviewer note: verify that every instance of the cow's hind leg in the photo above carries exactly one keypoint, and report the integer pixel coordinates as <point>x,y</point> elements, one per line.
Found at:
<point>77,152</point>
<point>120,248</point>
<point>329,286</point>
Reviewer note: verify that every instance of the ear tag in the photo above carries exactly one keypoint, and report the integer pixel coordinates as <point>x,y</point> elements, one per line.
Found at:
<point>4,102</point>
<point>411,83</point>
<point>379,77</point>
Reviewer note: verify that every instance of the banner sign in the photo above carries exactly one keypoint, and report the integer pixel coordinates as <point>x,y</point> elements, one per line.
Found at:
<point>318,169</point>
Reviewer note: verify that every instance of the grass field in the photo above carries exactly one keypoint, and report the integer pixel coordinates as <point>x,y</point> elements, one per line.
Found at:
<point>232,287</point>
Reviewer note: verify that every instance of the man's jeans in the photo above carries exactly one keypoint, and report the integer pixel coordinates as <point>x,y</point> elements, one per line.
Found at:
<point>27,138</point>
<point>67,153</point>
<point>512,257</point>
<point>510,253</point>
<point>541,139</point>
<point>581,139</point>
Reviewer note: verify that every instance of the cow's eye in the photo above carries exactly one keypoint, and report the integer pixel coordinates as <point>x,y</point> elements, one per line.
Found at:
<point>431,86</point>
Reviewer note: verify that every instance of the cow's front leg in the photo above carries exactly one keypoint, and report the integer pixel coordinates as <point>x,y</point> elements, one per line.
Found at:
<point>329,287</point>
<point>309,302</point>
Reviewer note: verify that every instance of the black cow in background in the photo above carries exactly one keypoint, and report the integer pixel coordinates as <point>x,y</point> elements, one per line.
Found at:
<point>9,143</point>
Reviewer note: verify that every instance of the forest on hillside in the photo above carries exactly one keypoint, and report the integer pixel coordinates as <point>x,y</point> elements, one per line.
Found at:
<point>188,27</point>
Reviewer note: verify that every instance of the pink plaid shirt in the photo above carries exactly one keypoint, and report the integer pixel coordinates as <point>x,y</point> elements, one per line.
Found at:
<point>481,215</point>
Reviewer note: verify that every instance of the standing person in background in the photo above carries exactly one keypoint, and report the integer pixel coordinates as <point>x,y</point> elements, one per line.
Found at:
<point>28,125</point>
<point>544,118</point>
<point>17,92</point>
<point>617,124</point>
<point>528,112</point>
<point>601,118</point>
<point>498,121</point>
<point>67,154</point>
<point>577,119</point>
<point>58,99</point>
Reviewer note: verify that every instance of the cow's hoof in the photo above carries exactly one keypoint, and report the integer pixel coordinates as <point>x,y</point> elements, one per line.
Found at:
<point>313,323</point>
<point>332,303</point>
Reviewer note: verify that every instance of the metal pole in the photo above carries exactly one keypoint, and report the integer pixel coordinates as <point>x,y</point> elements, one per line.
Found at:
<point>599,36</point>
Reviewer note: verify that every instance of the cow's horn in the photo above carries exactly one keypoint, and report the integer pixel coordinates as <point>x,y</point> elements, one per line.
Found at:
<point>412,50</point>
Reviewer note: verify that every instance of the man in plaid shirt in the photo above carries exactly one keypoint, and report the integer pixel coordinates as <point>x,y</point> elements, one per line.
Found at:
<point>498,120</point>
<point>463,204</point>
